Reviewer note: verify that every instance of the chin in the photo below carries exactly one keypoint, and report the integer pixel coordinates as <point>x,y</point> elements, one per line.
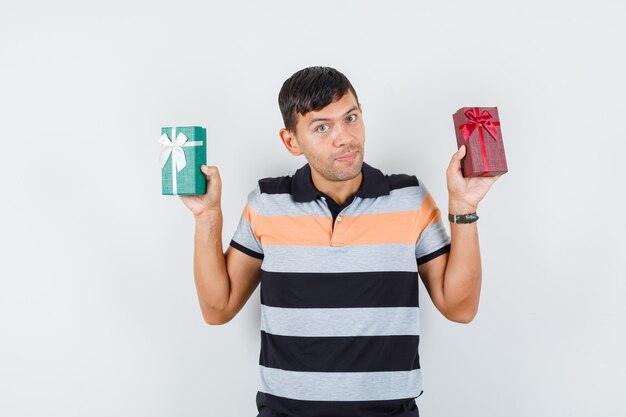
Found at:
<point>348,174</point>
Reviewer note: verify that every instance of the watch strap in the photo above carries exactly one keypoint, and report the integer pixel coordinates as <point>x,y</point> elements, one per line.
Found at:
<point>463,218</point>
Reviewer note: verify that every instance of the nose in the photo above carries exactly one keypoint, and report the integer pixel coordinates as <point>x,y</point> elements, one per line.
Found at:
<point>342,136</point>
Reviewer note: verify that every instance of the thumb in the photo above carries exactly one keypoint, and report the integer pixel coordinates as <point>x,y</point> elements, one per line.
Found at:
<point>455,162</point>
<point>460,153</point>
<point>212,174</point>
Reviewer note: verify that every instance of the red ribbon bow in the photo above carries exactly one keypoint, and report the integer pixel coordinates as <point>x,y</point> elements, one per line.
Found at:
<point>480,120</point>
<point>476,120</point>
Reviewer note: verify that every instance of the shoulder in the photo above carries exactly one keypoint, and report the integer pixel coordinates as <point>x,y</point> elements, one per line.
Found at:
<point>275,185</point>
<point>406,187</point>
<point>399,181</point>
<point>268,188</point>
<point>379,180</point>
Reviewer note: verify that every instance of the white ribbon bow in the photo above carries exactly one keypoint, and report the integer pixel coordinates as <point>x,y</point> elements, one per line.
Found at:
<point>174,147</point>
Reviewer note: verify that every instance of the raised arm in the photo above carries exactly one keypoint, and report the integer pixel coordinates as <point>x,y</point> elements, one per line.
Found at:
<point>224,282</point>
<point>453,280</point>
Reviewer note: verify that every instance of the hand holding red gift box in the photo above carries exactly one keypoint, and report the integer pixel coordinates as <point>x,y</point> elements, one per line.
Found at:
<point>464,194</point>
<point>480,160</point>
<point>478,128</point>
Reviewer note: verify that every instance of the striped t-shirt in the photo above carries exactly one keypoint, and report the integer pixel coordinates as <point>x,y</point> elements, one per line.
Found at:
<point>340,318</point>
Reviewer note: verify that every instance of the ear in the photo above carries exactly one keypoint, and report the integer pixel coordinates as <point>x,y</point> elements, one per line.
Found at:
<point>290,142</point>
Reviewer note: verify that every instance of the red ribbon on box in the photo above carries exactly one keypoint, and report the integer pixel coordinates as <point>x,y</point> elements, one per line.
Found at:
<point>480,120</point>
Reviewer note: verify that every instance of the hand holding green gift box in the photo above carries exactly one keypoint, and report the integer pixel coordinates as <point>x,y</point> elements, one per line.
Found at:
<point>184,152</point>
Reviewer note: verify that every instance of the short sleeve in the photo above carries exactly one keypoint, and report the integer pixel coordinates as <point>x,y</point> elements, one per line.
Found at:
<point>434,239</point>
<point>245,238</point>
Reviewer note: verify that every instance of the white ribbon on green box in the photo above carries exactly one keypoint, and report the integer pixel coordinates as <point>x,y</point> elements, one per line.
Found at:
<point>174,147</point>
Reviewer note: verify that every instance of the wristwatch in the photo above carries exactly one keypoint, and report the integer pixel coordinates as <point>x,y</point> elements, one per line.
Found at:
<point>463,218</point>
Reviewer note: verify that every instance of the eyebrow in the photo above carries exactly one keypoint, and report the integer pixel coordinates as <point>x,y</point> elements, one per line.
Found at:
<point>323,120</point>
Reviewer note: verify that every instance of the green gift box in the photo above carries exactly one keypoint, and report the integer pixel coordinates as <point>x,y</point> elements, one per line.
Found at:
<point>184,152</point>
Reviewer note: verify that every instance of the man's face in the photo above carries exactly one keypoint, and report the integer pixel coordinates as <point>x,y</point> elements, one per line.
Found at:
<point>336,131</point>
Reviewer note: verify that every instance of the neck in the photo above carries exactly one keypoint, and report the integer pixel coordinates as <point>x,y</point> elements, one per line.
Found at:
<point>339,191</point>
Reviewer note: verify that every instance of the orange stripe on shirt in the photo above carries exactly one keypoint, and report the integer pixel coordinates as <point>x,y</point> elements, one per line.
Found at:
<point>401,227</point>
<point>293,230</point>
<point>428,214</point>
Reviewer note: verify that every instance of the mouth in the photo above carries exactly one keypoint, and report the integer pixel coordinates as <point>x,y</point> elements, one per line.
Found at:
<point>348,157</point>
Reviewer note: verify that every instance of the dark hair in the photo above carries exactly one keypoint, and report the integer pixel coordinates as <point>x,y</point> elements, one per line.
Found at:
<point>311,89</point>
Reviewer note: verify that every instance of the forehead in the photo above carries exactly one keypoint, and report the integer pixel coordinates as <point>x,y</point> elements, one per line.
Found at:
<point>334,110</point>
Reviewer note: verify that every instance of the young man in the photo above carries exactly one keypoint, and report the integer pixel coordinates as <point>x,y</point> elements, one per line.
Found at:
<point>337,248</point>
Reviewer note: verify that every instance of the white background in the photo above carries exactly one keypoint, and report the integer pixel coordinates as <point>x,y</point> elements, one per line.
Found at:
<point>98,310</point>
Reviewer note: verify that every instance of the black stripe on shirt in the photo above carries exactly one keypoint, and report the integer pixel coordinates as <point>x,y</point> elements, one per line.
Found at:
<point>246,250</point>
<point>270,405</point>
<point>340,290</point>
<point>340,353</point>
<point>433,255</point>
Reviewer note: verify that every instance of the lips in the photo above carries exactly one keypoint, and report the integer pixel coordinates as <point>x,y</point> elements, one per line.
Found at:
<point>348,156</point>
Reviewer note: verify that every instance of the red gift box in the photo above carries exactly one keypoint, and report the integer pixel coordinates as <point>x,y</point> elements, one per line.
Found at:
<point>478,128</point>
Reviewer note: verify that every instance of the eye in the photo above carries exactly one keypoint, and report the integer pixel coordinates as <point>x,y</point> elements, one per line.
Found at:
<point>322,131</point>
<point>353,116</point>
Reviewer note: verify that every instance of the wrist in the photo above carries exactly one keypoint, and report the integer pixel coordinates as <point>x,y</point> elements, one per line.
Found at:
<point>209,229</point>
<point>463,218</point>
<point>460,207</point>
<point>211,217</point>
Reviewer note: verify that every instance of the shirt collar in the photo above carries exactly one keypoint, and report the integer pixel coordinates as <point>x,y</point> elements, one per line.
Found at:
<point>374,184</point>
